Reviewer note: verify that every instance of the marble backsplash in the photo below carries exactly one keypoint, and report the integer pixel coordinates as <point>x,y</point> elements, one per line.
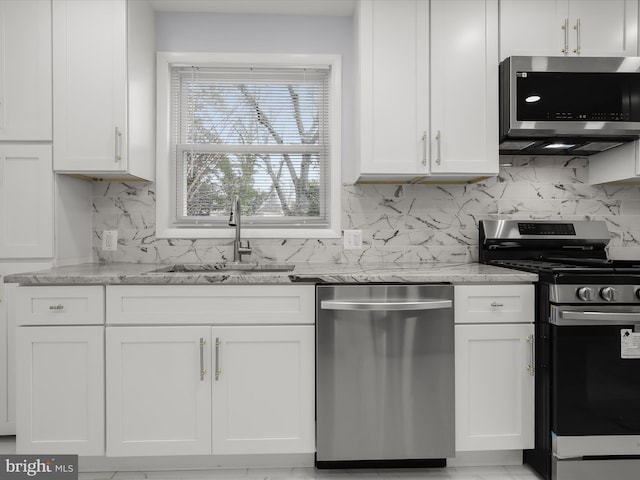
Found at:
<point>399,223</point>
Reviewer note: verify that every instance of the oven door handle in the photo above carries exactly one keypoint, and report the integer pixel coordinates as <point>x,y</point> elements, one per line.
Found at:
<point>569,318</point>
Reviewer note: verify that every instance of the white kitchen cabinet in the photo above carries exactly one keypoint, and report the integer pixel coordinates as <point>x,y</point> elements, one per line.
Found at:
<point>60,392</point>
<point>7,364</point>
<point>263,389</point>
<point>464,88</point>
<point>238,380</point>
<point>158,401</point>
<point>427,90</point>
<point>26,201</point>
<point>568,27</point>
<point>104,88</point>
<point>393,82</point>
<point>494,372</point>
<point>620,164</point>
<point>25,70</point>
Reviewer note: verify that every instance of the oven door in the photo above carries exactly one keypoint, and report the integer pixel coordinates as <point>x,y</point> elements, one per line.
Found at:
<point>595,370</point>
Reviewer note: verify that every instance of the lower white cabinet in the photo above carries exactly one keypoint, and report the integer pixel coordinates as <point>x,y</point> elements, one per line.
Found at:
<point>60,390</point>
<point>157,401</point>
<point>494,387</point>
<point>201,390</point>
<point>494,357</point>
<point>263,389</point>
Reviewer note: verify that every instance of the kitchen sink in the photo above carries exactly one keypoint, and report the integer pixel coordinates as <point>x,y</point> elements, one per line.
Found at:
<point>243,267</point>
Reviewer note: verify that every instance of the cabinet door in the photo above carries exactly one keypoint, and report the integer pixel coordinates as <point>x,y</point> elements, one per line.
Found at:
<point>263,390</point>
<point>533,27</point>
<point>25,70</point>
<point>464,86</point>
<point>89,78</point>
<point>26,201</point>
<point>394,86</point>
<point>603,28</point>
<point>60,395</point>
<point>494,387</point>
<point>7,422</point>
<point>568,27</point>
<point>158,397</point>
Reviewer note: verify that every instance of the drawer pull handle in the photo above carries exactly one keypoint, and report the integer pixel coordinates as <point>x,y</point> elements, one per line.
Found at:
<point>56,307</point>
<point>497,305</point>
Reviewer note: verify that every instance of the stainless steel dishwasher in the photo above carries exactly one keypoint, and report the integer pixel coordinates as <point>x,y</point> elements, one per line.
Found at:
<point>384,375</point>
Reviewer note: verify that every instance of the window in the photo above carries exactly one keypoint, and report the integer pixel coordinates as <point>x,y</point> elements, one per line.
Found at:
<point>265,128</point>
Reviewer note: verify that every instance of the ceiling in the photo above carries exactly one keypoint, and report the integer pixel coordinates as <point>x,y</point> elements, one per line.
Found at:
<point>272,7</point>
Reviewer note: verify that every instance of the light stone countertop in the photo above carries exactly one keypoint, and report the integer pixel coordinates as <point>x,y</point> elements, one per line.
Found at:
<point>143,274</point>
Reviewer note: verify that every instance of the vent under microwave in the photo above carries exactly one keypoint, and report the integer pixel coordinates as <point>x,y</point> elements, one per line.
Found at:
<point>568,106</point>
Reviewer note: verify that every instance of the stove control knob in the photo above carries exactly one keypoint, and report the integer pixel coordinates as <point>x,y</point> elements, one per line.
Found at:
<point>608,294</point>
<point>585,294</point>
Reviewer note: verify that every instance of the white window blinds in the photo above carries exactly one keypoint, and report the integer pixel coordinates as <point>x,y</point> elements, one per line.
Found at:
<point>260,133</point>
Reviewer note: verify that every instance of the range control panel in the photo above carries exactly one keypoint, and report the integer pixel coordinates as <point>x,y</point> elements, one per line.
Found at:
<point>603,294</point>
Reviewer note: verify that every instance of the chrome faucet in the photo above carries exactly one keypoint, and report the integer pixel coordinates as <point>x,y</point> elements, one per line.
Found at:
<point>234,221</point>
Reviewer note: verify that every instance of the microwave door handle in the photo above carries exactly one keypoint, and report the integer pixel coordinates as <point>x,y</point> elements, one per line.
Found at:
<point>570,318</point>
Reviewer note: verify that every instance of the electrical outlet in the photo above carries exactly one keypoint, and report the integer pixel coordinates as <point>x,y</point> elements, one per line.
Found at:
<point>110,240</point>
<point>352,240</point>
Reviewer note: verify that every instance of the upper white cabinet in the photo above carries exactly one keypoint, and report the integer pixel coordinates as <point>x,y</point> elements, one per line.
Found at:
<point>393,82</point>
<point>104,88</point>
<point>26,201</point>
<point>464,88</point>
<point>568,27</point>
<point>418,112</point>
<point>620,164</point>
<point>25,70</point>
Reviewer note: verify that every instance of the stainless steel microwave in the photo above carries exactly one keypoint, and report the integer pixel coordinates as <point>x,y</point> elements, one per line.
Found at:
<point>568,105</point>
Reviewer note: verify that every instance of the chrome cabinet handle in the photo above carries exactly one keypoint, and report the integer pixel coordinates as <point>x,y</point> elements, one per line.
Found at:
<point>576,27</point>
<point>531,367</point>
<point>384,306</point>
<point>565,27</point>
<point>439,145</point>
<point>56,307</point>
<point>218,371</point>
<point>203,371</point>
<point>118,145</point>
<point>424,148</point>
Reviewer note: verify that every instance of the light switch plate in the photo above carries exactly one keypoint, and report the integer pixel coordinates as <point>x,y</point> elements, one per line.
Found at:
<point>110,240</point>
<point>352,240</point>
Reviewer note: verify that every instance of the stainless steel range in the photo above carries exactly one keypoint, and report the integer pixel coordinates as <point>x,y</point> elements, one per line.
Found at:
<point>587,346</point>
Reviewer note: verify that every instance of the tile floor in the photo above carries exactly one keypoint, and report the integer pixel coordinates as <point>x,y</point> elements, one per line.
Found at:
<point>518,472</point>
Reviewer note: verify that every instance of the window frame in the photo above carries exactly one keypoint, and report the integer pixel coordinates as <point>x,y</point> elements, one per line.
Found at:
<point>165,174</point>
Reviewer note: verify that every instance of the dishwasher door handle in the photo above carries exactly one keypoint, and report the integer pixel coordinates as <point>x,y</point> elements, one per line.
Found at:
<point>385,306</point>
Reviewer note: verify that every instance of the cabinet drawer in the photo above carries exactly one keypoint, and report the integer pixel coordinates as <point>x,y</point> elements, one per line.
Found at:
<point>494,303</point>
<point>211,304</point>
<point>77,305</point>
